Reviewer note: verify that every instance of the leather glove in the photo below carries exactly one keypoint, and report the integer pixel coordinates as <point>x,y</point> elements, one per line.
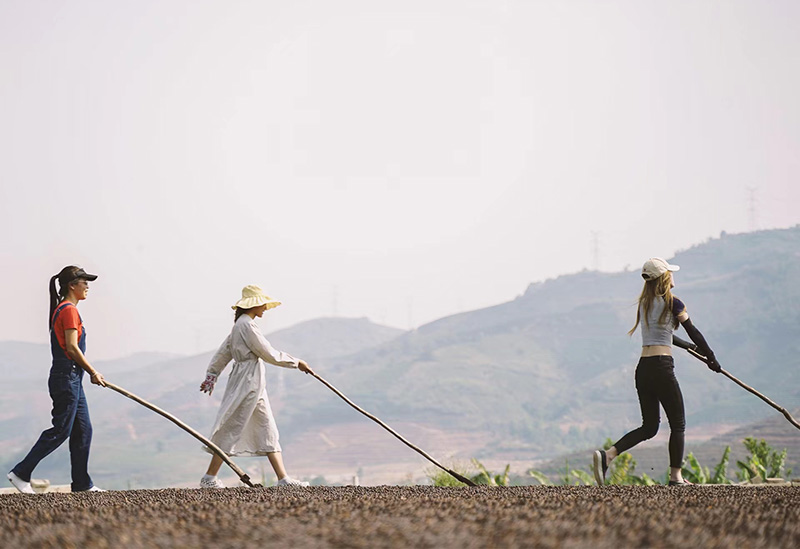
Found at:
<point>713,365</point>
<point>208,385</point>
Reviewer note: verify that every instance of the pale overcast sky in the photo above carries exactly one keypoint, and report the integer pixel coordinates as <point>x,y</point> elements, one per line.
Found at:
<point>396,160</point>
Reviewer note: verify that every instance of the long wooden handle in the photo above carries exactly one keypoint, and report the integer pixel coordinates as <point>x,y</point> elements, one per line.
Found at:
<point>341,395</point>
<point>746,387</point>
<point>213,447</point>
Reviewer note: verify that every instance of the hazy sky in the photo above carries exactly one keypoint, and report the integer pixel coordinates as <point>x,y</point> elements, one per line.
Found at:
<point>396,160</point>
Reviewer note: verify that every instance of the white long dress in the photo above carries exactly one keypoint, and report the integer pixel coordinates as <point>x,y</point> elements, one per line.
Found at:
<point>245,425</point>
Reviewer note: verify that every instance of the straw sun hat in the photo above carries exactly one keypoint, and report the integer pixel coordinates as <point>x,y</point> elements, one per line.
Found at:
<point>254,296</point>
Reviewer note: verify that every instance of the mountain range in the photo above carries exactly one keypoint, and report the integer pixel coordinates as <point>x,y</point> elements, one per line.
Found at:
<point>548,373</point>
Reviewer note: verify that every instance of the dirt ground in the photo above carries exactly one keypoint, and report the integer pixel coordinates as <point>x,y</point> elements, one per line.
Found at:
<point>416,516</point>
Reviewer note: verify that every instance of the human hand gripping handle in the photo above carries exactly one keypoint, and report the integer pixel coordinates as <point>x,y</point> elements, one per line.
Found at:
<point>303,366</point>
<point>97,378</point>
<point>208,385</point>
<point>713,365</point>
<point>710,360</point>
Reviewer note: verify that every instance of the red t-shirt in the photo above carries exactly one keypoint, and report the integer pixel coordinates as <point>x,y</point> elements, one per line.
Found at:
<point>68,319</point>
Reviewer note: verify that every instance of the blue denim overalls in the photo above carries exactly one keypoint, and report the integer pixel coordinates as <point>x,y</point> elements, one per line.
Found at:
<point>70,415</point>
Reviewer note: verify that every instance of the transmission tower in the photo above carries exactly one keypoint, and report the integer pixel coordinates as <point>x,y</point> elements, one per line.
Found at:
<point>335,302</point>
<point>595,250</point>
<point>752,209</point>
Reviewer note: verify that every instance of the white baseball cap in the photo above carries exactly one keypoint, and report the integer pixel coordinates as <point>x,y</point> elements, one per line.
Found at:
<point>655,267</point>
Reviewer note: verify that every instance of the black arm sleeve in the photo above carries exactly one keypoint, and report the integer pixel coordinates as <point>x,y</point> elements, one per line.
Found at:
<point>697,337</point>
<point>682,343</point>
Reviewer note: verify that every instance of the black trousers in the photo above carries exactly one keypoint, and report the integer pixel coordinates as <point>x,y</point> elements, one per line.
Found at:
<point>656,384</point>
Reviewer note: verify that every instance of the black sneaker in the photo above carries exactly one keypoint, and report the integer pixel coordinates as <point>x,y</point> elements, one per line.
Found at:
<point>682,482</point>
<point>600,467</point>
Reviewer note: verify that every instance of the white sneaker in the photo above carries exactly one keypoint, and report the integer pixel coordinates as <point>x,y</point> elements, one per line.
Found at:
<point>96,489</point>
<point>289,481</point>
<point>19,484</point>
<point>211,482</point>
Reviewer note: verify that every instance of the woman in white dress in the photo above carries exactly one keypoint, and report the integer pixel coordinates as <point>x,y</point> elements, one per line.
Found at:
<point>245,425</point>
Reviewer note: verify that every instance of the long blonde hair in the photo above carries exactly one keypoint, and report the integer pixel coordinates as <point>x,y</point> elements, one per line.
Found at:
<point>657,287</point>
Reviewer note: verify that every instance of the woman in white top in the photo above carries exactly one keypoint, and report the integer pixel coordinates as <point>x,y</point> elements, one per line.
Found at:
<point>660,313</point>
<point>245,425</point>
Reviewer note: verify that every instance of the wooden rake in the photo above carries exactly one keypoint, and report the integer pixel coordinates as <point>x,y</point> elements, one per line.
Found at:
<point>341,395</point>
<point>692,351</point>
<point>211,446</point>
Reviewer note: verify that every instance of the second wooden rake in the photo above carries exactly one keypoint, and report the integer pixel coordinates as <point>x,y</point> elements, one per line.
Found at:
<point>341,395</point>
<point>692,351</point>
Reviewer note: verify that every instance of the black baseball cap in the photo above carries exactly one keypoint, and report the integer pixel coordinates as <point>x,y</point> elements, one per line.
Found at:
<point>80,273</point>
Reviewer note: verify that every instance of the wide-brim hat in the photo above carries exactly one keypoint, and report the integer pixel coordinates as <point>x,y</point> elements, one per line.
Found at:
<point>254,296</point>
<point>655,267</point>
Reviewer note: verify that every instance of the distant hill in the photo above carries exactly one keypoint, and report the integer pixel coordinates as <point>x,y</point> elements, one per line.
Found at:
<point>547,373</point>
<point>325,338</point>
<point>553,369</point>
<point>26,361</point>
<point>19,360</point>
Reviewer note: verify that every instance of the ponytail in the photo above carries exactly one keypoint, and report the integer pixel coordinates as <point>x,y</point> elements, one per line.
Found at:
<point>65,276</point>
<point>53,301</point>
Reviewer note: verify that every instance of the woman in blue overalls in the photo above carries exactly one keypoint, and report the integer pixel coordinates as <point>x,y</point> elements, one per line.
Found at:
<point>70,412</point>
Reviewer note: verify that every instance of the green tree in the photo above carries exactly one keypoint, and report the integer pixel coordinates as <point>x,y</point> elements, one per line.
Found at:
<point>570,477</point>
<point>486,477</point>
<point>621,472</point>
<point>720,475</point>
<point>443,478</point>
<point>582,477</point>
<point>540,477</point>
<point>696,473</point>
<point>693,471</point>
<point>763,461</point>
